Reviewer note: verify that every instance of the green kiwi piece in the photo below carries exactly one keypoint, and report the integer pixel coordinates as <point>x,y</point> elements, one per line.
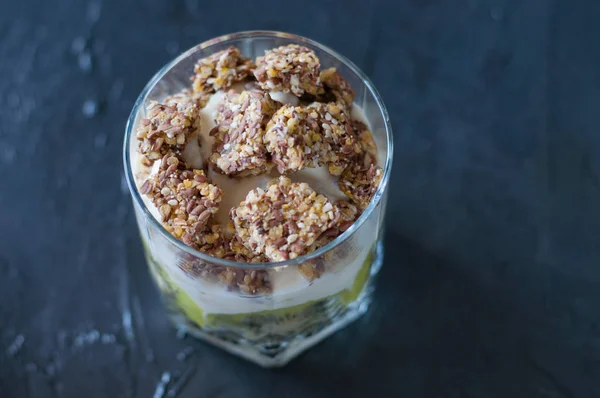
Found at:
<point>348,296</point>
<point>280,314</point>
<point>178,295</point>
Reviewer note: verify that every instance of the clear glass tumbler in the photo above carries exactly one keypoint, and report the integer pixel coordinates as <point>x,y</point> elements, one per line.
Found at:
<point>274,326</point>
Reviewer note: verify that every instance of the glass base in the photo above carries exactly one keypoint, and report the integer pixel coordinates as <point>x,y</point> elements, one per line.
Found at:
<point>277,349</point>
<point>273,352</point>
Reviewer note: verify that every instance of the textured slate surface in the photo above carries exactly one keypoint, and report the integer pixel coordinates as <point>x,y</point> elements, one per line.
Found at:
<point>491,286</point>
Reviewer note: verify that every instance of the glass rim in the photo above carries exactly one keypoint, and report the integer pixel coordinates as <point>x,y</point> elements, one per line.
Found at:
<point>228,263</point>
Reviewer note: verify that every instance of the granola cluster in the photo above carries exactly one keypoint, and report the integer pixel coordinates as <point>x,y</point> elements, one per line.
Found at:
<point>365,138</point>
<point>283,221</point>
<point>239,149</point>
<point>336,88</point>
<point>347,214</point>
<point>253,281</point>
<point>294,139</point>
<point>311,270</point>
<point>220,241</point>
<point>360,181</point>
<point>220,70</point>
<point>184,198</point>
<point>290,68</point>
<point>310,136</point>
<point>187,97</point>
<point>254,134</point>
<point>167,128</point>
<point>336,129</point>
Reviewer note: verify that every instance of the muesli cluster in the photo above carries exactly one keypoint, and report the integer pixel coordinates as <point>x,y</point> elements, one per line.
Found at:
<point>239,149</point>
<point>290,68</point>
<point>167,128</point>
<point>336,130</point>
<point>257,135</point>
<point>221,70</point>
<point>294,139</point>
<point>184,198</point>
<point>284,221</point>
<point>336,88</point>
<point>360,180</point>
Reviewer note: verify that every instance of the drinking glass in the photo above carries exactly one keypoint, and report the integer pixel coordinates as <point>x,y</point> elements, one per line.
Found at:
<point>274,326</point>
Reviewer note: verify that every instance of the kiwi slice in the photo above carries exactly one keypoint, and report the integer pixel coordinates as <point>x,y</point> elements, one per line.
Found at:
<point>195,313</point>
<point>348,296</point>
<point>191,309</point>
<point>280,314</point>
<point>179,296</point>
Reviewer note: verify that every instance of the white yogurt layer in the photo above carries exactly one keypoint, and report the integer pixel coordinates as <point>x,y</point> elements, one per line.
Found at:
<point>290,288</point>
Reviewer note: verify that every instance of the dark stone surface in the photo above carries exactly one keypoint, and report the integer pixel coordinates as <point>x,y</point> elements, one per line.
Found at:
<point>491,286</point>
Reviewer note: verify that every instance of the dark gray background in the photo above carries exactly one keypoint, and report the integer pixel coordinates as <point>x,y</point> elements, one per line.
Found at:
<point>491,284</point>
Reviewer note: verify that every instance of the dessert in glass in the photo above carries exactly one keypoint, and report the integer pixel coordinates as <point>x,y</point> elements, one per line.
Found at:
<point>258,164</point>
